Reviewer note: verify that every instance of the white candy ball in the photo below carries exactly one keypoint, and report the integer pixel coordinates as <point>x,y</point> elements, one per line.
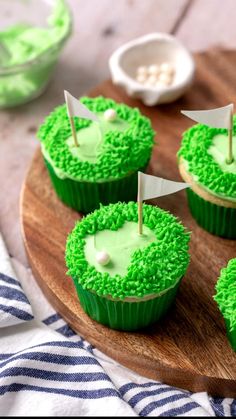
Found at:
<point>151,80</point>
<point>110,115</point>
<point>167,68</point>
<point>160,84</point>
<point>142,70</point>
<point>141,78</point>
<point>165,79</point>
<point>154,69</point>
<point>102,258</point>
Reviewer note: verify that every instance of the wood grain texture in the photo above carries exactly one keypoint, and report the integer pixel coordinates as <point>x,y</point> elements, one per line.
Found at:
<point>189,348</point>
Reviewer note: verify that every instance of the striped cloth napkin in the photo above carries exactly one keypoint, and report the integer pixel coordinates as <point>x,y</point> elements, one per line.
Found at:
<point>46,369</point>
<point>14,305</point>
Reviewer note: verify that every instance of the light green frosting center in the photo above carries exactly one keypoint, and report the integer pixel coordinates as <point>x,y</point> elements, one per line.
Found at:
<point>219,151</point>
<point>91,138</point>
<point>120,245</point>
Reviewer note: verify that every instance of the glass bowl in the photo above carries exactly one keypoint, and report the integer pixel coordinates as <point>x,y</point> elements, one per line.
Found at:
<point>33,33</point>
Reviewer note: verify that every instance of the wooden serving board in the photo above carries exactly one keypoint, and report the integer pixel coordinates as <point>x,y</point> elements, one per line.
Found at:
<point>189,348</point>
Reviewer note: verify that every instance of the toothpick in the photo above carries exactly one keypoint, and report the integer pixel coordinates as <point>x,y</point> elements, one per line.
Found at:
<point>140,207</point>
<point>230,158</point>
<point>72,124</point>
<point>140,217</point>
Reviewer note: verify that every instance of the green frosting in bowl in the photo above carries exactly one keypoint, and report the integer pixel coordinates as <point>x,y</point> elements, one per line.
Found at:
<point>226,293</point>
<point>24,42</point>
<point>202,153</point>
<point>154,265</point>
<point>28,54</point>
<point>121,151</point>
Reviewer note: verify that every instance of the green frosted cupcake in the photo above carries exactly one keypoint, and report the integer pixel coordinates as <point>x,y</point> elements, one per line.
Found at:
<point>103,169</point>
<point>202,163</point>
<point>125,280</point>
<point>226,299</point>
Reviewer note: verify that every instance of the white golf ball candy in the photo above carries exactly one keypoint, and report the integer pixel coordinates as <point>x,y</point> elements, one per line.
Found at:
<point>154,69</point>
<point>160,83</point>
<point>141,78</point>
<point>110,115</point>
<point>102,258</point>
<point>142,70</point>
<point>152,80</point>
<point>167,68</point>
<point>165,79</point>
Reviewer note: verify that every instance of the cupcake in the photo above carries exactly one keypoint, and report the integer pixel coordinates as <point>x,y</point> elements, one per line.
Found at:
<point>103,168</point>
<point>202,163</point>
<point>125,280</point>
<point>226,299</point>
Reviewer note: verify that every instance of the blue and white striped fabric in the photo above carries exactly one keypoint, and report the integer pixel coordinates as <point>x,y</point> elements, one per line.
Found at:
<point>14,305</point>
<point>46,369</point>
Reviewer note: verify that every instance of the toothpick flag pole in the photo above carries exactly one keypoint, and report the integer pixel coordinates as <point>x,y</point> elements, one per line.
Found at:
<point>216,118</point>
<point>73,130</point>
<point>152,187</point>
<point>140,205</point>
<point>230,139</point>
<point>76,108</point>
<point>70,116</point>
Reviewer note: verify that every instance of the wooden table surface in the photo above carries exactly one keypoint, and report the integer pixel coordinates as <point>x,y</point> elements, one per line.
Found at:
<point>100,26</point>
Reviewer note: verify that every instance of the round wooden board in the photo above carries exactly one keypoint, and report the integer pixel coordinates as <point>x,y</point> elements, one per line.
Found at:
<point>189,348</point>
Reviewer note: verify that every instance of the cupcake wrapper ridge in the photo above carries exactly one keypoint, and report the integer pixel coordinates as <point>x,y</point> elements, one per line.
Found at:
<point>85,197</point>
<point>216,219</point>
<point>125,315</point>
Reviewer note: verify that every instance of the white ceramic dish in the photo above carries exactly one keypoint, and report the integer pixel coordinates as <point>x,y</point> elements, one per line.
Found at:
<point>152,48</point>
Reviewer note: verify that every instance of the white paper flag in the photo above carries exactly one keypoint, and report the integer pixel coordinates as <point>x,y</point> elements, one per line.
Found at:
<point>153,186</point>
<point>76,108</point>
<point>216,118</point>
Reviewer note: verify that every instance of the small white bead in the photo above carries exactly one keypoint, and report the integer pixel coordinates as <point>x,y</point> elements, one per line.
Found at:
<point>141,78</point>
<point>167,68</point>
<point>110,115</point>
<point>160,84</point>
<point>151,80</point>
<point>102,258</point>
<point>165,79</point>
<point>142,70</point>
<point>154,69</point>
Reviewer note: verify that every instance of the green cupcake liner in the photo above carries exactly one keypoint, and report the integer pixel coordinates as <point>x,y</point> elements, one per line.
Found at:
<point>86,196</point>
<point>231,334</point>
<point>216,219</point>
<point>125,315</point>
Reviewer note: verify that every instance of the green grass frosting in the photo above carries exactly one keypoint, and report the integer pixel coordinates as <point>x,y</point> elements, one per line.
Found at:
<point>151,270</point>
<point>194,149</point>
<point>226,293</point>
<point>121,152</point>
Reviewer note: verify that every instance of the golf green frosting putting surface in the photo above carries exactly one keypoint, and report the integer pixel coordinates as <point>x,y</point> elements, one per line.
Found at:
<point>219,151</point>
<point>152,265</point>
<point>91,138</point>
<point>204,151</point>
<point>126,146</point>
<point>120,246</point>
